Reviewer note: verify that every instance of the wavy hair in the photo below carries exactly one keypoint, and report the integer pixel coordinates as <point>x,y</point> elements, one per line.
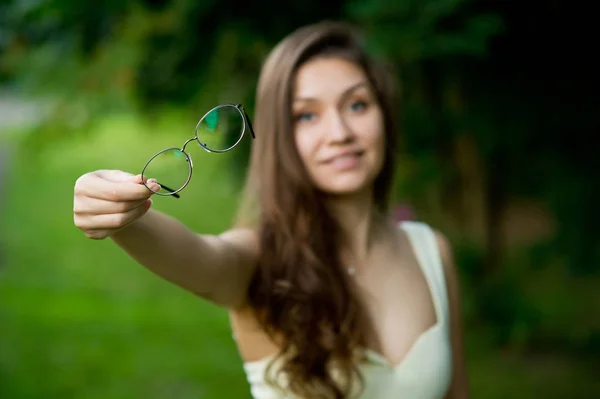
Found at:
<point>300,292</point>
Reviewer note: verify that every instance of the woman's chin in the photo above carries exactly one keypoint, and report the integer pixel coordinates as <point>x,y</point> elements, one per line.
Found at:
<point>346,189</point>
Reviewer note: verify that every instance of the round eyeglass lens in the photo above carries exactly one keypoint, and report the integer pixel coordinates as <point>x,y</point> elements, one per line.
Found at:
<point>171,168</point>
<point>221,128</point>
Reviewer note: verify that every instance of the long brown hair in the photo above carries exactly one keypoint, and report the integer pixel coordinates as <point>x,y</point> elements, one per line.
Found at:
<point>300,292</point>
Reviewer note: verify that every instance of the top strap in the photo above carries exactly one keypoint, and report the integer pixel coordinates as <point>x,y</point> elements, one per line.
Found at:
<point>426,247</point>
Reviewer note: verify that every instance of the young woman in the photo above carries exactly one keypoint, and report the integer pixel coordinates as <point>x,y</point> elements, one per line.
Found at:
<point>328,297</point>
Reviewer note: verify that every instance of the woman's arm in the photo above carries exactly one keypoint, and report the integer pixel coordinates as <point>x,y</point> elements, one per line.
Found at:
<point>116,204</point>
<point>215,267</point>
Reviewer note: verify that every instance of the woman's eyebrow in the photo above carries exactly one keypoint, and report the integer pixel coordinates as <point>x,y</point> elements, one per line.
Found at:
<point>347,91</point>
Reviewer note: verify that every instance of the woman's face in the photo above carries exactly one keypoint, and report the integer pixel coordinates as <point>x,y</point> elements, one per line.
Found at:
<point>338,126</point>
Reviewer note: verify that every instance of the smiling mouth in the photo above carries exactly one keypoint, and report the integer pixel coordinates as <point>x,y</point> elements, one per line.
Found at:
<point>345,157</point>
<point>345,162</point>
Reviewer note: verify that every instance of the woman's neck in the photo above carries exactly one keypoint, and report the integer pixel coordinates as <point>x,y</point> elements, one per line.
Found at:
<point>358,221</point>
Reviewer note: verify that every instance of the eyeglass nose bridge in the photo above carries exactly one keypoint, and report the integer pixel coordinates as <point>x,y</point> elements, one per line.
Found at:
<point>187,142</point>
<point>202,145</point>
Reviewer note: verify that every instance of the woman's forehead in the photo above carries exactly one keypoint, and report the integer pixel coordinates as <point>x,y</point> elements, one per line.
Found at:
<point>328,78</point>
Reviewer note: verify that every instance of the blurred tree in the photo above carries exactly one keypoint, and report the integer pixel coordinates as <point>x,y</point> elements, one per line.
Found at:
<point>87,60</point>
<point>496,98</point>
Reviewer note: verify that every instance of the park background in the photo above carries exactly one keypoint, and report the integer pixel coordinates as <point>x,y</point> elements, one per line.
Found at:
<point>497,151</point>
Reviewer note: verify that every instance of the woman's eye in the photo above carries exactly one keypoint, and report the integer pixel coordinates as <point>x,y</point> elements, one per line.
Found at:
<point>358,105</point>
<point>305,117</point>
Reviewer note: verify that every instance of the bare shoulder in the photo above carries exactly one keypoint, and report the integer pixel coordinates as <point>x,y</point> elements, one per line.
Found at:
<point>236,257</point>
<point>450,269</point>
<point>236,244</point>
<point>242,238</point>
<point>446,251</point>
<point>444,245</point>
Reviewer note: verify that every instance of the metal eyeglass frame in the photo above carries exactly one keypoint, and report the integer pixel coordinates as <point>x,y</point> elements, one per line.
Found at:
<point>240,108</point>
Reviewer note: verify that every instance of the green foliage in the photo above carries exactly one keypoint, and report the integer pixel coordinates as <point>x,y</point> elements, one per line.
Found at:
<point>80,319</point>
<point>118,81</point>
<point>412,31</point>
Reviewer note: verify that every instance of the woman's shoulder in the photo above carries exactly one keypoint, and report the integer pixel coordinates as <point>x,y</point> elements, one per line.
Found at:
<point>242,237</point>
<point>441,239</point>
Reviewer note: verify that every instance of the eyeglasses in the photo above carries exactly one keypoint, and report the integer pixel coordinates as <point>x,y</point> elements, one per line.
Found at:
<point>220,130</point>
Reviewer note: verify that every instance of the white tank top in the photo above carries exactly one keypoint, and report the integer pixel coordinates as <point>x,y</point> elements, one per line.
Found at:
<point>425,372</point>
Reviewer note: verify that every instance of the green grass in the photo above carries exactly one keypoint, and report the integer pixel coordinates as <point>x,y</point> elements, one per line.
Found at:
<point>79,319</point>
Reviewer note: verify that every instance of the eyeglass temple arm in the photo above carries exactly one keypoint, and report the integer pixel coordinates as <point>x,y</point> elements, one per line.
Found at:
<point>169,189</point>
<point>247,120</point>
